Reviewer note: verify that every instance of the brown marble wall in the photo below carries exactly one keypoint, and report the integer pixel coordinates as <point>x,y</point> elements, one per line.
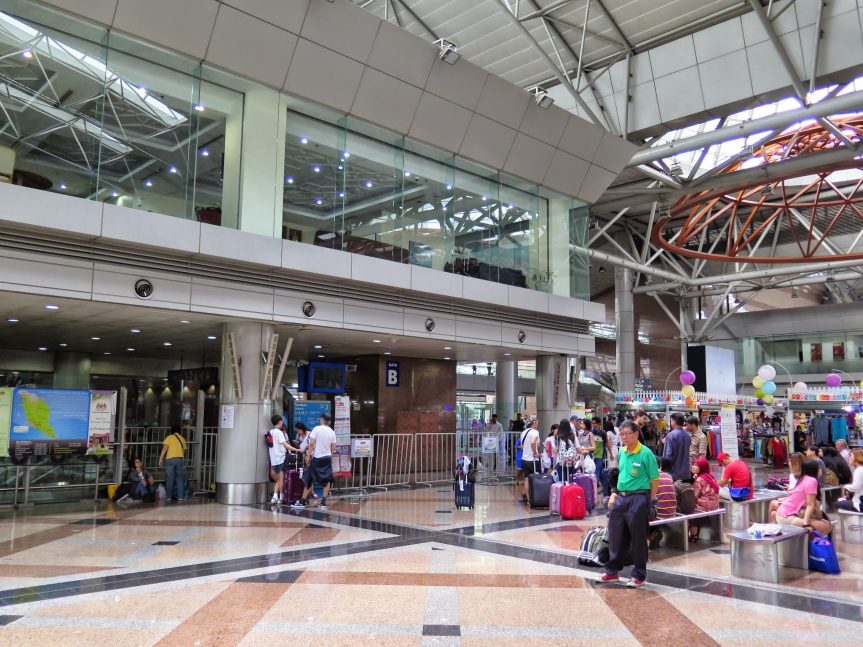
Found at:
<point>424,401</point>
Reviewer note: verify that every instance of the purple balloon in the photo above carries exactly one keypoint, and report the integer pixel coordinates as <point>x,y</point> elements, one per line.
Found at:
<point>759,402</point>
<point>687,377</point>
<point>833,379</point>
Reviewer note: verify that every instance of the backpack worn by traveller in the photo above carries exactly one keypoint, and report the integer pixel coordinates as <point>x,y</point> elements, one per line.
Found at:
<point>268,439</point>
<point>686,499</point>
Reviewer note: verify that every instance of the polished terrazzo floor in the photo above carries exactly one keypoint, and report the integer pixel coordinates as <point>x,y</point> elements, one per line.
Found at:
<point>396,568</point>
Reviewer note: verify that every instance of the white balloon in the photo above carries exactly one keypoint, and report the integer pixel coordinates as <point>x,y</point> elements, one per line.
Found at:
<point>800,386</point>
<point>767,373</point>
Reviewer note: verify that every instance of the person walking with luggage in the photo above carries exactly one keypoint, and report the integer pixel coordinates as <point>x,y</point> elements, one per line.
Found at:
<point>322,445</point>
<point>278,451</point>
<point>629,507</point>
<point>173,451</point>
<point>531,457</point>
<point>677,445</point>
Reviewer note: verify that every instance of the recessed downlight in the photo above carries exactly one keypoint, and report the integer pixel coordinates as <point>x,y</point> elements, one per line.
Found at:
<point>318,347</point>
<point>96,338</point>
<point>376,341</point>
<point>51,306</point>
<point>42,348</point>
<point>321,356</point>
<point>446,358</point>
<point>447,347</point>
<point>134,331</point>
<point>507,354</point>
<point>185,321</point>
<point>12,320</point>
<point>62,345</point>
<point>167,343</point>
<point>131,350</point>
<point>106,353</point>
<point>211,337</point>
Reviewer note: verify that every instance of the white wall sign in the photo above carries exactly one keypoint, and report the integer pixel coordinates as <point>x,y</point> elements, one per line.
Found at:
<point>227,417</point>
<point>728,430</point>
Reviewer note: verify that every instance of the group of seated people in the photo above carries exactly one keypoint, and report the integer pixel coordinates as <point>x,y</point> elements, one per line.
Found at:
<point>700,493</point>
<point>810,471</point>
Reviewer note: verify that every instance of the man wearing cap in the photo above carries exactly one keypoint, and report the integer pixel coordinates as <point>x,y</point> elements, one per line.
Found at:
<point>735,475</point>
<point>629,508</point>
<point>319,458</point>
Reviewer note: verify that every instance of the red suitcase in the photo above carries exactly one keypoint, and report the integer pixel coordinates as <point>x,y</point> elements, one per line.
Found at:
<point>293,486</point>
<point>572,503</point>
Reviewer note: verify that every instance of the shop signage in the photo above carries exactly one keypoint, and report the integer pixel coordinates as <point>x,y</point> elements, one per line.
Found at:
<point>393,373</point>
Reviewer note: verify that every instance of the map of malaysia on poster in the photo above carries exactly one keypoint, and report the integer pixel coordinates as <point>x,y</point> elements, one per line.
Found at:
<point>49,422</point>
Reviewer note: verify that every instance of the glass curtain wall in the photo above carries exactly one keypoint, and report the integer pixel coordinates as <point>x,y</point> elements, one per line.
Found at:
<point>344,190</point>
<point>84,117</point>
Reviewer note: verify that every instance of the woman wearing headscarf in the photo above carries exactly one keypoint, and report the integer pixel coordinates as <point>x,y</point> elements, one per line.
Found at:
<point>706,492</point>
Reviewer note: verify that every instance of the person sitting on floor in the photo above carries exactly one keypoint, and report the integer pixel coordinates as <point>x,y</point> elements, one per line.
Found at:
<point>802,508</point>
<point>142,486</point>
<point>666,499</point>
<point>854,489</point>
<point>706,492</point>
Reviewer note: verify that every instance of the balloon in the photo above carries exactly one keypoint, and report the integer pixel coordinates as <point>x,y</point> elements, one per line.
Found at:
<point>769,388</point>
<point>768,399</point>
<point>758,381</point>
<point>759,402</point>
<point>688,390</point>
<point>689,402</point>
<point>801,386</point>
<point>833,380</point>
<point>687,377</point>
<point>767,373</point>
<point>759,393</point>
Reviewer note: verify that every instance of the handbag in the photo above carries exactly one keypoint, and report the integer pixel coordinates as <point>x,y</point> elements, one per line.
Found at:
<point>739,493</point>
<point>822,554</point>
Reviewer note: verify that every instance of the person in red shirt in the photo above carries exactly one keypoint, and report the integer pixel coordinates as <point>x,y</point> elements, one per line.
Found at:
<point>735,477</point>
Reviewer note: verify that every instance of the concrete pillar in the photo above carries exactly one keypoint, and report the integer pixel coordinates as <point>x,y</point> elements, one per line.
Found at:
<point>552,400</point>
<point>505,395</point>
<point>624,314</point>
<point>72,371</point>
<point>242,469</point>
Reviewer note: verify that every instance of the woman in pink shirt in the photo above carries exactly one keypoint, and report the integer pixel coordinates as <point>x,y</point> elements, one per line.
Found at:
<point>801,507</point>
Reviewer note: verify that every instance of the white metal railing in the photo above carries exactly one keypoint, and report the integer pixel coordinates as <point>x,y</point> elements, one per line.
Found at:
<point>393,461</point>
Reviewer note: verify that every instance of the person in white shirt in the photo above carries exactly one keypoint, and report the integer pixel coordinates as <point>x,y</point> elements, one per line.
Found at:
<point>531,458</point>
<point>844,451</point>
<point>494,428</point>
<point>854,489</point>
<point>319,457</point>
<point>277,456</point>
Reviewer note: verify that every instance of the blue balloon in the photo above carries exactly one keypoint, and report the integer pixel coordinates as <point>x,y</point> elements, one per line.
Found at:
<point>769,388</point>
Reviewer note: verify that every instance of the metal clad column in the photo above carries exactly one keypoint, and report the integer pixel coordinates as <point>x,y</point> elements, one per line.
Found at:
<point>552,398</point>
<point>625,324</point>
<point>242,470</point>
<point>504,397</point>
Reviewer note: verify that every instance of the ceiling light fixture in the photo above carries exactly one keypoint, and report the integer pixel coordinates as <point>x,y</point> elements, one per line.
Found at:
<point>289,180</point>
<point>211,337</point>
<point>96,338</point>
<point>304,140</point>
<point>12,320</point>
<point>318,347</point>
<point>387,353</point>
<point>185,321</point>
<point>319,201</point>
<point>369,184</point>
<point>148,183</point>
<point>447,51</point>
<point>51,306</point>
<point>63,345</point>
<point>447,347</point>
<point>346,155</point>
<point>26,54</point>
<point>205,153</point>
<point>62,186</point>
<point>106,353</point>
<point>131,350</point>
<point>376,341</point>
<point>507,354</point>
<point>134,331</point>
<point>199,108</point>
<point>446,357</point>
<point>321,356</point>
<point>173,169</point>
<point>42,348</point>
<point>167,343</point>
<point>316,169</point>
<point>541,97</point>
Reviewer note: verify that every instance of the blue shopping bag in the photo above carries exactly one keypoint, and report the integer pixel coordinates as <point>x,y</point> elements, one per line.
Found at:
<point>822,554</point>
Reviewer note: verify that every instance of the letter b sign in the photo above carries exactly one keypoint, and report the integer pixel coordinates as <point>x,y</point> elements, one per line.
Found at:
<point>392,372</point>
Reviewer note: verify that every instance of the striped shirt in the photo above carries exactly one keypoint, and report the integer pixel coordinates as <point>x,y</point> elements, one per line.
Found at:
<point>666,497</point>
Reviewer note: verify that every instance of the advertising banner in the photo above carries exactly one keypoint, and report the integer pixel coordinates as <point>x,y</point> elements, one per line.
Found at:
<point>49,422</point>
<point>362,447</point>
<point>5,419</point>
<point>103,409</point>
<point>342,427</point>
<point>728,430</point>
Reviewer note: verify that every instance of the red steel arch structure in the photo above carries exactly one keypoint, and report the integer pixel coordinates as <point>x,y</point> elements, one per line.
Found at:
<point>729,225</point>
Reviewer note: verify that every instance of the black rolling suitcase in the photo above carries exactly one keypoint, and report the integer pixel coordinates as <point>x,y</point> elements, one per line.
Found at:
<point>539,490</point>
<point>464,494</point>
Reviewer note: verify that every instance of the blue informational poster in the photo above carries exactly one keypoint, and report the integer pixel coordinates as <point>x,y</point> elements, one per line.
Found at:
<point>309,412</point>
<point>49,422</point>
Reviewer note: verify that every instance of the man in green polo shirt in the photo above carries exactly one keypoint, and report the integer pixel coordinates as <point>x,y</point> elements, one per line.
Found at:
<point>629,508</point>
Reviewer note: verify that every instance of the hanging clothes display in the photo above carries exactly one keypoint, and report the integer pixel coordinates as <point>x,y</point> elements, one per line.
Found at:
<point>780,452</point>
<point>839,428</point>
<point>820,428</point>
